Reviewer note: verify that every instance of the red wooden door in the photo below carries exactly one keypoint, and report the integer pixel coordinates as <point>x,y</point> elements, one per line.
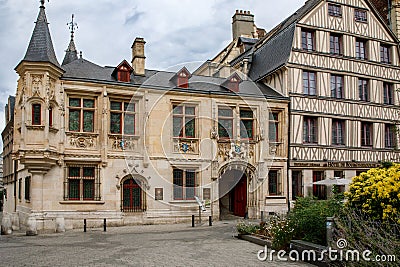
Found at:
<point>132,196</point>
<point>240,198</point>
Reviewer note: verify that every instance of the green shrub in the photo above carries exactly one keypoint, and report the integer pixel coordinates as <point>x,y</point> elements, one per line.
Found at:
<point>247,228</point>
<point>308,218</point>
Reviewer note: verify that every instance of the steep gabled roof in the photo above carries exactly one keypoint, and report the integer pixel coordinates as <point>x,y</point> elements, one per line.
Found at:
<point>273,51</point>
<point>40,47</point>
<point>272,55</point>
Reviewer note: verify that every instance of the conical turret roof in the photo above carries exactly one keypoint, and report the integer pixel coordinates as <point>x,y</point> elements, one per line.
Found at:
<point>40,47</point>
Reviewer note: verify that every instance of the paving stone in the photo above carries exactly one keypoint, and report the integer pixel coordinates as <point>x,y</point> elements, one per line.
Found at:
<point>149,245</point>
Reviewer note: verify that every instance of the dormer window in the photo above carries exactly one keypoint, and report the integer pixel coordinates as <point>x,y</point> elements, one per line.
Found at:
<point>122,72</point>
<point>232,83</point>
<point>181,78</point>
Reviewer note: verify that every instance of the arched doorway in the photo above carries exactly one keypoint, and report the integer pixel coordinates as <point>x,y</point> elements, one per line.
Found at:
<point>133,197</point>
<point>236,178</point>
<point>233,193</point>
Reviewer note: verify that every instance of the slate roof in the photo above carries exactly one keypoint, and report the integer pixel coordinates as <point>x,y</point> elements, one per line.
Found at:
<point>273,55</point>
<point>71,53</point>
<point>273,50</point>
<point>84,70</point>
<point>40,47</point>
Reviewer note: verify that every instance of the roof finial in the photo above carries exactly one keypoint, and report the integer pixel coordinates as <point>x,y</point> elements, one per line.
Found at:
<point>72,26</point>
<point>42,2</point>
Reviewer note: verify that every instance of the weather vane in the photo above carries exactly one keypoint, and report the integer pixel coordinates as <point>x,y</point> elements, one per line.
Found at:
<point>42,2</point>
<point>72,26</point>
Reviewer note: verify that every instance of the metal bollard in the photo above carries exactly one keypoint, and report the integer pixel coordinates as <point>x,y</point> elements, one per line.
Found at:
<point>105,225</point>
<point>84,225</point>
<point>209,221</point>
<point>262,216</point>
<point>192,220</point>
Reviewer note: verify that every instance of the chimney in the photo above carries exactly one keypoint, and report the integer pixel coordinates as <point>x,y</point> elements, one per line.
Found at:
<point>138,58</point>
<point>394,17</point>
<point>242,24</point>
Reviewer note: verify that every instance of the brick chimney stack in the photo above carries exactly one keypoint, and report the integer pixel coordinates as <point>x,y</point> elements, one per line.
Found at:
<point>243,24</point>
<point>138,57</point>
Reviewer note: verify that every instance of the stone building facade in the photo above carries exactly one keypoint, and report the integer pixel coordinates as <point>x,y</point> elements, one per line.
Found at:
<point>338,62</point>
<point>134,145</point>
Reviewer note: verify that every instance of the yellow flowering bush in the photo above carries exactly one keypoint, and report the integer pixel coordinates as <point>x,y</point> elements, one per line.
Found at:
<point>376,193</point>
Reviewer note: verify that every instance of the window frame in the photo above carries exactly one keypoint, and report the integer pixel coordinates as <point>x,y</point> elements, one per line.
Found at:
<point>361,49</point>
<point>390,136</point>
<point>319,191</point>
<point>231,135</point>
<point>336,44</point>
<point>185,118</point>
<point>336,139</point>
<point>307,35</point>
<point>84,182</point>
<point>335,10</point>
<point>388,93</point>
<point>385,53</point>
<point>363,90</point>
<point>242,124</point>
<point>27,188</point>
<point>337,82</point>
<point>307,88</point>
<point>296,187</point>
<point>36,114</point>
<point>51,116</point>
<point>366,134</point>
<point>274,183</point>
<point>82,110</point>
<point>124,112</point>
<point>309,130</point>
<point>360,18</point>
<point>183,187</point>
<point>274,123</point>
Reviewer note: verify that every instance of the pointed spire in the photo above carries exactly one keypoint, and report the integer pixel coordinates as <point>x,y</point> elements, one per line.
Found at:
<point>71,53</point>
<point>40,47</point>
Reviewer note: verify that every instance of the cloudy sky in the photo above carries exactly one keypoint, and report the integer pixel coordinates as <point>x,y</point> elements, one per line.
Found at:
<point>176,31</point>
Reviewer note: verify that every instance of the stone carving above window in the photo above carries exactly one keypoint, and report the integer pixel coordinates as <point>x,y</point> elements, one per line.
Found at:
<point>183,145</point>
<point>120,143</point>
<point>235,150</point>
<point>82,141</point>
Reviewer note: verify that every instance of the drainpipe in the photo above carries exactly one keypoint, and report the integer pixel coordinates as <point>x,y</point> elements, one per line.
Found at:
<point>288,155</point>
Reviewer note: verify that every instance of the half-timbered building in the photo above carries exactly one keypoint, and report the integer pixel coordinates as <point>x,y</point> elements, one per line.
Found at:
<point>338,61</point>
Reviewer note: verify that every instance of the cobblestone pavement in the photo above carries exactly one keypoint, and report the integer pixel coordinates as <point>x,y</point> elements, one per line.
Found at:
<point>151,245</point>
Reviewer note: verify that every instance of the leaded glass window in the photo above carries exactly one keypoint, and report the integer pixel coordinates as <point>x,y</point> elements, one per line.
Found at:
<point>225,123</point>
<point>246,123</point>
<point>81,114</point>
<point>273,131</point>
<point>122,117</point>
<point>184,121</point>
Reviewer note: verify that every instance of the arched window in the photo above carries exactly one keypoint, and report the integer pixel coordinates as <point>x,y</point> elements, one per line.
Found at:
<point>36,114</point>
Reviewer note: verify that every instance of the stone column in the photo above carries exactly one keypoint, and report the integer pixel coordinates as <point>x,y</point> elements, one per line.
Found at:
<point>37,190</point>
